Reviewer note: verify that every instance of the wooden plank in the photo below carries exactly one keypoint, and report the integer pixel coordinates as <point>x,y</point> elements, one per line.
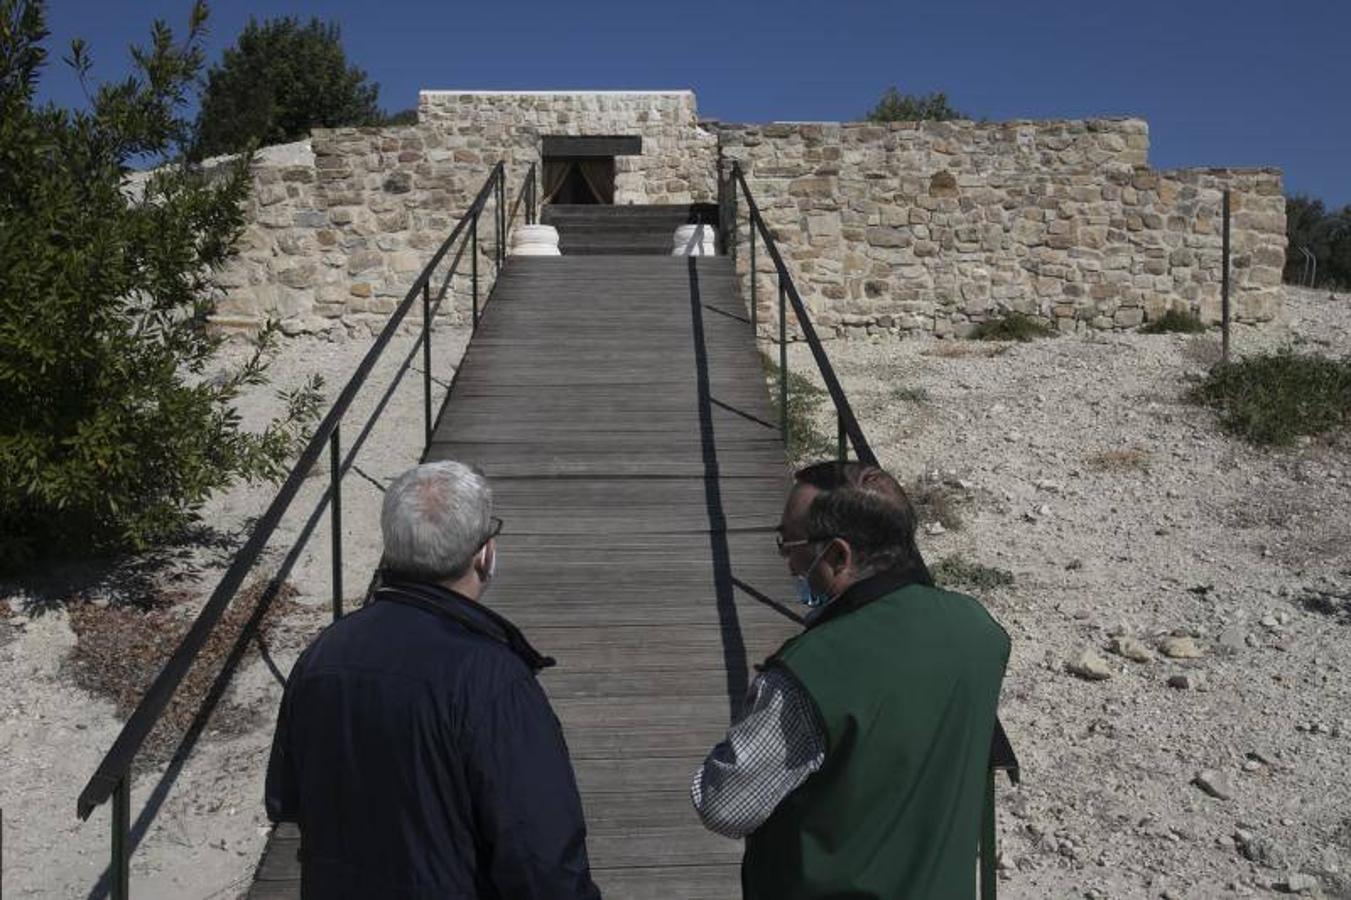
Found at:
<point>622,415</point>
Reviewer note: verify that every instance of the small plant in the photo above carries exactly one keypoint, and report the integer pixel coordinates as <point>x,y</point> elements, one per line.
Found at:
<point>1125,460</point>
<point>806,442</point>
<point>957,571</point>
<point>1175,321</point>
<point>935,501</point>
<point>916,395</point>
<point>1013,326</point>
<point>1273,398</point>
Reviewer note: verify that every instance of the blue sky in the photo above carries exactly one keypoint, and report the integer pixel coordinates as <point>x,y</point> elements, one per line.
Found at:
<point>1222,83</point>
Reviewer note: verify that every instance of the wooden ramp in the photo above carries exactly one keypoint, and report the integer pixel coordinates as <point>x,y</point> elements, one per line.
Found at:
<point>618,406</point>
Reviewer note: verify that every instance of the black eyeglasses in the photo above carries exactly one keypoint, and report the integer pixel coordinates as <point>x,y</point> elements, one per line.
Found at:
<point>495,528</point>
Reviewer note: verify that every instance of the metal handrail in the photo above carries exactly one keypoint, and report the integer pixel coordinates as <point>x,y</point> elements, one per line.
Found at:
<point>112,778</point>
<point>847,423</point>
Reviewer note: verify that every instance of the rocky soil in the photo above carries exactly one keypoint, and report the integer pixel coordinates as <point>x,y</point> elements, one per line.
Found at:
<point>1198,585</point>
<point>1179,690</point>
<point>209,828</point>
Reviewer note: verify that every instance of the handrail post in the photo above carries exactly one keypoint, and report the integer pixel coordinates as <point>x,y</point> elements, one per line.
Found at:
<point>783,358</point>
<point>754,278</point>
<point>427,363</point>
<point>732,237</point>
<point>1224,284</point>
<point>473,269</point>
<point>120,868</point>
<point>499,222</point>
<point>335,517</point>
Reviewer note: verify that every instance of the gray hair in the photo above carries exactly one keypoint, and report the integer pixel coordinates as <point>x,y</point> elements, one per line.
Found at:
<point>434,519</point>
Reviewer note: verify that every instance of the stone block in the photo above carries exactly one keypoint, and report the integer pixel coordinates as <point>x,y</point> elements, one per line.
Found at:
<point>363,260</point>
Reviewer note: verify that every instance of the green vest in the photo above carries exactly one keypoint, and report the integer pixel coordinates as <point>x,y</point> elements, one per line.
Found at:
<point>907,686</point>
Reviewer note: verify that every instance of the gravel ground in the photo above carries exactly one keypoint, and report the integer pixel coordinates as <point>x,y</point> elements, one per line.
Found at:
<point>207,837</point>
<point>1123,512</point>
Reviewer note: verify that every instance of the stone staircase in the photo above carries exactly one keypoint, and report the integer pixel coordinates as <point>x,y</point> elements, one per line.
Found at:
<point>592,230</point>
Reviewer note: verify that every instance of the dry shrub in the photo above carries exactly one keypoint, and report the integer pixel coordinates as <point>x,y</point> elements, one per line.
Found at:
<point>5,610</point>
<point>959,349</point>
<point>120,649</point>
<point>1126,460</point>
<point>935,501</point>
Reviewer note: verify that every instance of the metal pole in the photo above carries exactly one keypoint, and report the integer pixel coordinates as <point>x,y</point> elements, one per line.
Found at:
<point>499,223</point>
<point>473,267</point>
<point>427,363</point>
<point>335,498</point>
<point>783,359</point>
<point>120,869</point>
<point>754,278</point>
<point>731,250</point>
<point>1224,286</point>
<point>843,448</point>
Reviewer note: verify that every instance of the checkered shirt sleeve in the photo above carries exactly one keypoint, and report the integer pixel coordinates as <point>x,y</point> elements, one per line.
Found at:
<point>776,745</point>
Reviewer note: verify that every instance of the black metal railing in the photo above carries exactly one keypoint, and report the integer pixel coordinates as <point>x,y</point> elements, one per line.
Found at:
<point>113,776</point>
<point>848,431</point>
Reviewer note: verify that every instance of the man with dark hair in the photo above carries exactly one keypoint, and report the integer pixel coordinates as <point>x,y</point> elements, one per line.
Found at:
<point>861,764</point>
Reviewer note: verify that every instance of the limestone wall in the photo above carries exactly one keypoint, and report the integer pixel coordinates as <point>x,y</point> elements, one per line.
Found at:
<point>887,228</point>
<point>336,236</point>
<point>935,226</point>
<point>679,159</point>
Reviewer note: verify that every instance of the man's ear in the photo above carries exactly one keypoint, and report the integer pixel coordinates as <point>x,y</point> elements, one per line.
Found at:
<point>839,555</point>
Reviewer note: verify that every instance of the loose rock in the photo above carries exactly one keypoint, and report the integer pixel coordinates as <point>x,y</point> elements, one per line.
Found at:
<point>1214,784</point>
<point>1179,646</point>
<point>1090,666</point>
<point>1131,648</point>
<point>1297,883</point>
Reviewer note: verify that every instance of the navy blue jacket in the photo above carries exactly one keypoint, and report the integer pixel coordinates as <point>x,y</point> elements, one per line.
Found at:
<point>421,758</point>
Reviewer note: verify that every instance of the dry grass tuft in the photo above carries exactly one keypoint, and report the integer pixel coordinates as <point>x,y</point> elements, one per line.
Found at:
<point>959,349</point>
<point>935,501</point>
<point>1127,460</point>
<point>120,649</point>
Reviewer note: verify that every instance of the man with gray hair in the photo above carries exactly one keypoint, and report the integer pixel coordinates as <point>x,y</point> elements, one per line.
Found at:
<point>414,747</point>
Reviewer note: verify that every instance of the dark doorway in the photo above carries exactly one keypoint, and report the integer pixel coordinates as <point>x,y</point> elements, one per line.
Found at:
<point>579,180</point>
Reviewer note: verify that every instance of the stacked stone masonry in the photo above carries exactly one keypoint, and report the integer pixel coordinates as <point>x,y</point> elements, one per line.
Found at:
<point>886,228</point>
<point>936,226</point>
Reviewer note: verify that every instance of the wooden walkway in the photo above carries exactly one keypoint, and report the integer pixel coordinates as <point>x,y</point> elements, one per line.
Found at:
<point>618,406</point>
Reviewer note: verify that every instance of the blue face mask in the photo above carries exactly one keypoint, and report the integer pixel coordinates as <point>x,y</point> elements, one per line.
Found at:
<point>805,595</point>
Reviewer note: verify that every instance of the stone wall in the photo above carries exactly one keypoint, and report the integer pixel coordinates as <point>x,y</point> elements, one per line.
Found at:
<point>679,159</point>
<point>935,226</point>
<point>887,228</point>
<point>337,236</point>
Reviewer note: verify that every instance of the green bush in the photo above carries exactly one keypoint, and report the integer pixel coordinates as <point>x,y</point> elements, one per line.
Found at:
<point>1326,234</point>
<point>806,442</point>
<point>1274,398</point>
<point>895,106</point>
<point>1013,326</point>
<point>1175,321</point>
<point>113,436</point>
<point>958,572</point>
<point>279,80</point>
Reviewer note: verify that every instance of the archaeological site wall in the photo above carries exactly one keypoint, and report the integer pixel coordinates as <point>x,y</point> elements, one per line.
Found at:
<point>336,241</point>
<point>908,227</point>
<point>934,226</point>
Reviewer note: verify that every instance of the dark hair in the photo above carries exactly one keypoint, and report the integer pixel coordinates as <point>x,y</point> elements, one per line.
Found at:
<point>868,509</point>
